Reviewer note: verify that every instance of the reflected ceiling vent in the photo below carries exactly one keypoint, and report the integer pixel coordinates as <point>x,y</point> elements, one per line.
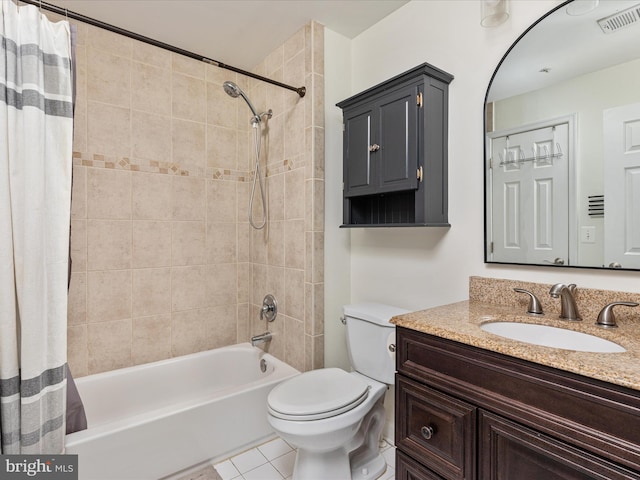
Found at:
<point>620,20</point>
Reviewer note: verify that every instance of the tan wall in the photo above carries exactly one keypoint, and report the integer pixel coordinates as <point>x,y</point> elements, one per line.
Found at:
<point>164,260</point>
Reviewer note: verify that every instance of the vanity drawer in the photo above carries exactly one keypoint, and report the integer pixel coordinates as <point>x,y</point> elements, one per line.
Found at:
<point>408,469</point>
<point>436,429</point>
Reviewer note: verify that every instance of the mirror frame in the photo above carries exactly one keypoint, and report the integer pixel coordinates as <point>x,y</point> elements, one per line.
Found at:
<point>485,160</point>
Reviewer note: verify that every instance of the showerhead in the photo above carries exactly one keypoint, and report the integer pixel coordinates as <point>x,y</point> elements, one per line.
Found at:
<point>232,89</point>
<point>235,91</point>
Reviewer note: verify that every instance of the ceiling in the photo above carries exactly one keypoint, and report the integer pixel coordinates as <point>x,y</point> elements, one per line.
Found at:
<point>564,46</point>
<point>240,33</point>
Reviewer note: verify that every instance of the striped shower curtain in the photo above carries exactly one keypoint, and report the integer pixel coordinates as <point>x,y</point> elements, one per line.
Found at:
<point>36,130</point>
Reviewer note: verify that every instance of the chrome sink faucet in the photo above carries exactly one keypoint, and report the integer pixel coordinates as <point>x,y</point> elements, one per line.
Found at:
<point>568,307</point>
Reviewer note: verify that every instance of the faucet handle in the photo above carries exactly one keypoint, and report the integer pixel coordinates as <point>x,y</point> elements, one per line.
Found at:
<point>534,304</point>
<point>269,308</point>
<point>606,317</point>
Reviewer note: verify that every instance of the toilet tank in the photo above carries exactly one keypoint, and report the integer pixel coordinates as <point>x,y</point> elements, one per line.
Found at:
<point>369,336</point>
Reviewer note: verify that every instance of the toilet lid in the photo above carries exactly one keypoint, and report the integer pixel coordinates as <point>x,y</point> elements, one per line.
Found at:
<point>317,394</point>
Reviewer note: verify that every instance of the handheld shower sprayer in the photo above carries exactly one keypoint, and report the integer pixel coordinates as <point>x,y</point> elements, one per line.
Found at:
<point>235,91</point>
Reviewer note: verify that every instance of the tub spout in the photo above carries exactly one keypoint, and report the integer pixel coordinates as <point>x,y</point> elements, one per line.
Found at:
<point>262,338</point>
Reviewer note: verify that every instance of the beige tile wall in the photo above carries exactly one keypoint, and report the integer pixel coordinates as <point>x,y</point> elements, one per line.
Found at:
<point>287,259</point>
<point>164,260</point>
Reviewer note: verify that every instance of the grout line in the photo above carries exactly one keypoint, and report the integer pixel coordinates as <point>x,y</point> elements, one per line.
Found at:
<point>241,476</point>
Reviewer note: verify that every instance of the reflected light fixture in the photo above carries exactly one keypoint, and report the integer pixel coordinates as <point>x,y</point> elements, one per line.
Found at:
<point>581,7</point>
<point>493,12</point>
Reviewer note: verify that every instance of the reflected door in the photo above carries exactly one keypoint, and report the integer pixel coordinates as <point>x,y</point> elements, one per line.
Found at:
<point>622,186</point>
<point>529,196</point>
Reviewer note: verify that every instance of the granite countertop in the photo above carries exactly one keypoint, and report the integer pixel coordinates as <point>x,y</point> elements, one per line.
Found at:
<point>461,322</point>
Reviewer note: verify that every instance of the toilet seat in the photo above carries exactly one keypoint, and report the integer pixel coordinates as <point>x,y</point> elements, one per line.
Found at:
<point>317,394</point>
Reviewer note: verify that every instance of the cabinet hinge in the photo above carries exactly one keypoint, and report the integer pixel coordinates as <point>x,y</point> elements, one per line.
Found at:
<point>491,247</point>
<point>419,100</point>
<point>419,174</point>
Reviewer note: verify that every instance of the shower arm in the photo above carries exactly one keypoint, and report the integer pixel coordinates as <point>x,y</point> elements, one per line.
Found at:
<point>68,14</point>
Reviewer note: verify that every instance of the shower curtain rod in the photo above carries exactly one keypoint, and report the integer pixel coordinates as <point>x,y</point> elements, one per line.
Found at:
<point>112,28</point>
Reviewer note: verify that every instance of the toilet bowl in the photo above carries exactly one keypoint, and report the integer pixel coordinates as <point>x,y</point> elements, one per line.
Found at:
<point>335,418</point>
<point>326,437</point>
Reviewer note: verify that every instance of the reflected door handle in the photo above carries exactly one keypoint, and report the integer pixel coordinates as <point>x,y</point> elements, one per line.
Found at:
<point>615,265</point>
<point>556,261</point>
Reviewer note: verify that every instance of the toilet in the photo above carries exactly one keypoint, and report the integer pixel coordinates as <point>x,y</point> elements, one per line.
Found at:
<point>335,418</point>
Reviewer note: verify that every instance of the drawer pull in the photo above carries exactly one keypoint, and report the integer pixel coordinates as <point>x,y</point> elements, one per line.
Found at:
<point>427,432</point>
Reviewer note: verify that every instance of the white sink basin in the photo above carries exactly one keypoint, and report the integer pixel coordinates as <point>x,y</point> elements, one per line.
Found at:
<point>554,337</point>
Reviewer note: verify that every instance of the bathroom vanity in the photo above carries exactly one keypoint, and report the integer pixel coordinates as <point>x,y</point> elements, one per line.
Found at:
<point>472,405</point>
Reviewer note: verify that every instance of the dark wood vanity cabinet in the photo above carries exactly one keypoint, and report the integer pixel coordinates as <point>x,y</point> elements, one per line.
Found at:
<point>467,413</point>
<point>395,151</point>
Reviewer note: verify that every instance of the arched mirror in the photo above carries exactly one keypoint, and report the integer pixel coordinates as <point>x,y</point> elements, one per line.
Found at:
<point>562,141</point>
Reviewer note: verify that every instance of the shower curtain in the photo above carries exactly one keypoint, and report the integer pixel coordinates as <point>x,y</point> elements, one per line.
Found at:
<point>36,130</point>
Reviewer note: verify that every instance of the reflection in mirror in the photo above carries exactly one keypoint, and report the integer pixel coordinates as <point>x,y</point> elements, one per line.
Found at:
<point>562,170</point>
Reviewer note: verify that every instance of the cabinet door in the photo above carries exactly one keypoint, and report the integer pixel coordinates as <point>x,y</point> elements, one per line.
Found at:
<point>437,429</point>
<point>397,137</point>
<point>409,469</point>
<point>358,143</point>
<point>509,451</point>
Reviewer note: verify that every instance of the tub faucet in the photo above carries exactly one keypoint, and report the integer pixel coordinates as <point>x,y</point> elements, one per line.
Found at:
<point>262,338</point>
<point>568,307</point>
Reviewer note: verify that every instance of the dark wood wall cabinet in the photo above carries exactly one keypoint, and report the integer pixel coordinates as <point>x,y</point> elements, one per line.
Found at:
<point>395,151</point>
<point>464,413</point>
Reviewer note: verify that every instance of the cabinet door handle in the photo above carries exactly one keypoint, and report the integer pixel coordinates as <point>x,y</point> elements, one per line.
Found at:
<point>427,432</point>
<point>374,148</point>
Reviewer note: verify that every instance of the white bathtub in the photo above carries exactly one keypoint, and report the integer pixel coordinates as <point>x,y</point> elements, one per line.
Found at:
<point>153,420</point>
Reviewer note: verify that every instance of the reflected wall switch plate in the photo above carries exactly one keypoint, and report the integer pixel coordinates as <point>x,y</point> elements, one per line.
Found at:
<point>588,234</point>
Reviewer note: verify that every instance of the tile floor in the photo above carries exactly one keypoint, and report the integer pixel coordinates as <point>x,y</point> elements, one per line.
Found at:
<point>270,461</point>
